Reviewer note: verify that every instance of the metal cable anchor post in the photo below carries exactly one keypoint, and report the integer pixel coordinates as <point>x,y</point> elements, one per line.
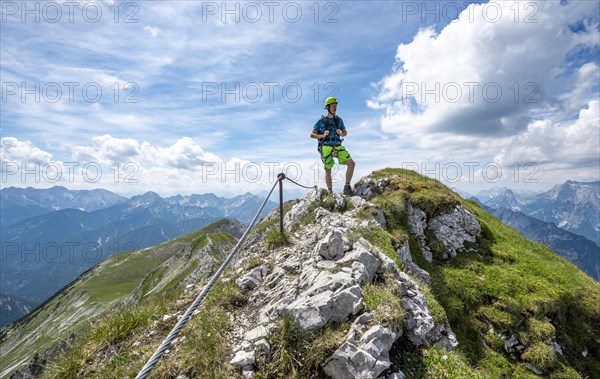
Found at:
<point>280,178</point>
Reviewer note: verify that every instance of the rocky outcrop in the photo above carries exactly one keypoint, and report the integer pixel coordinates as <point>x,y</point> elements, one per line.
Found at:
<point>411,267</point>
<point>365,353</point>
<point>451,229</point>
<point>319,280</point>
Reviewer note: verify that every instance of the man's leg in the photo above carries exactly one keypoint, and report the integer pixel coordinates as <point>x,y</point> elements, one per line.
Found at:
<point>350,171</point>
<point>328,180</point>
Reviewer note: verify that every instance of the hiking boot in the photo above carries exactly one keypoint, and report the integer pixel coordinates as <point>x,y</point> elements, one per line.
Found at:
<point>348,190</point>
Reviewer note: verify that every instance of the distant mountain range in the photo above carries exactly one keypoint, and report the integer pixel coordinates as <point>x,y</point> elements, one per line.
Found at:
<point>565,218</point>
<point>572,206</point>
<point>50,236</point>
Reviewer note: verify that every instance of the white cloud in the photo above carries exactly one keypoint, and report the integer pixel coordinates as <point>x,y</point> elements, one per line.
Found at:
<point>483,78</point>
<point>585,80</point>
<point>13,150</point>
<point>152,31</point>
<point>106,149</point>
<point>184,154</point>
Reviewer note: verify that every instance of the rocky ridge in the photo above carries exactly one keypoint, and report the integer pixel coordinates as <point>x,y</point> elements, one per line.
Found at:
<point>320,279</point>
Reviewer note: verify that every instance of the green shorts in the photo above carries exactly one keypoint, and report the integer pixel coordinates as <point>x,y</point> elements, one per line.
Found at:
<point>328,154</point>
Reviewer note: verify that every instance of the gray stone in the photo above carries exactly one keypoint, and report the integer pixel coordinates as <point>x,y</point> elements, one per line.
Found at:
<point>367,265</point>
<point>340,201</point>
<point>417,223</point>
<point>332,246</point>
<point>380,218</point>
<point>259,332</point>
<point>410,265</point>
<point>311,312</point>
<point>262,349</point>
<point>243,359</point>
<point>446,338</point>
<point>533,368</point>
<point>357,201</point>
<point>251,280</point>
<point>455,228</point>
<point>299,209</point>
<point>248,372</point>
<point>345,303</point>
<point>555,346</point>
<point>327,265</point>
<point>364,357</point>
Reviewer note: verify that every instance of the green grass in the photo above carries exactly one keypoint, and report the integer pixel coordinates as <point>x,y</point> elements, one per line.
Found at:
<point>105,350</point>
<point>434,363</point>
<point>541,356</point>
<point>151,273</point>
<point>297,355</point>
<point>275,238</point>
<point>119,326</point>
<point>379,238</point>
<point>383,300</point>
<point>273,218</point>
<point>203,352</point>
<point>509,283</point>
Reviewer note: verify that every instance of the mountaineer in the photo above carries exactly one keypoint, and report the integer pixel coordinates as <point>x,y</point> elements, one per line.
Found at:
<point>329,131</point>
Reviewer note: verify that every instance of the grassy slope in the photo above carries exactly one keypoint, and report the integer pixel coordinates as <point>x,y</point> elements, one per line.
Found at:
<point>507,283</point>
<point>100,289</point>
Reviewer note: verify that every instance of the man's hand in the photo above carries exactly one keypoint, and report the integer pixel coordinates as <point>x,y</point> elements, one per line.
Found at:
<point>326,133</point>
<point>338,131</point>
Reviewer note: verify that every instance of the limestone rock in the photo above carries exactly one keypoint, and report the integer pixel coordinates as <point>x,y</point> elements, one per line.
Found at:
<point>410,265</point>
<point>365,356</point>
<point>251,279</point>
<point>417,223</point>
<point>332,246</point>
<point>454,229</point>
<point>318,279</point>
<point>243,358</point>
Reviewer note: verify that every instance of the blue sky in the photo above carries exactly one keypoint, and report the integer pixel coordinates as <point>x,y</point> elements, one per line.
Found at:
<point>476,95</point>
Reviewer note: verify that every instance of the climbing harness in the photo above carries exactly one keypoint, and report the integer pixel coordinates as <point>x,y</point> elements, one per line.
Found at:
<point>321,142</point>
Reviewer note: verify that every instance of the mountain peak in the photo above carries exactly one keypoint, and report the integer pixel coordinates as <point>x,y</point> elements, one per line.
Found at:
<point>365,286</point>
<point>147,198</point>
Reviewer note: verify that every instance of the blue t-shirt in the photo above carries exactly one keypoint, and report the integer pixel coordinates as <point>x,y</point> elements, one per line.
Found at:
<point>331,124</point>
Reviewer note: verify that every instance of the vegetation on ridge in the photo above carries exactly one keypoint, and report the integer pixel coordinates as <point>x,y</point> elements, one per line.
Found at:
<point>503,286</point>
<point>506,285</point>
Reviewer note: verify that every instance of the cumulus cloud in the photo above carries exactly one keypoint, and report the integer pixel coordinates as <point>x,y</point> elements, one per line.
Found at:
<point>14,150</point>
<point>488,73</point>
<point>184,154</point>
<point>106,149</point>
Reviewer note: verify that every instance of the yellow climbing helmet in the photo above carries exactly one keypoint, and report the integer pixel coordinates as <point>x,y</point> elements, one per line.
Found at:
<point>330,100</point>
